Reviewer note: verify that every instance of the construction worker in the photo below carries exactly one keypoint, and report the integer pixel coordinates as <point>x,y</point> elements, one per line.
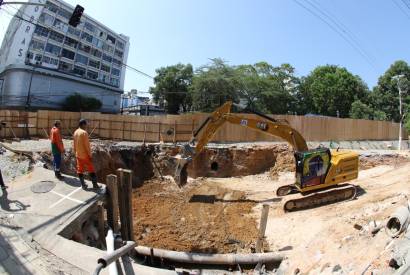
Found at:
<point>82,150</point>
<point>57,148</point>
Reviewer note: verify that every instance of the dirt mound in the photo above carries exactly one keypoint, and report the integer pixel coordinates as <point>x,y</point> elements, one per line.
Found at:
<point>285,161</point>
<point>367,162</point>
<point>201,218</point>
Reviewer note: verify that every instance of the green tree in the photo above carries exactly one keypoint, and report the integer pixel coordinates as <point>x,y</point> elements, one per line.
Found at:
<point>386,93</point>
<point>267,88</point>
<point>329,90</point>
<point>77,103</point>
<point>213,85</point>
<point>361,110</point>
<point>171,88</point>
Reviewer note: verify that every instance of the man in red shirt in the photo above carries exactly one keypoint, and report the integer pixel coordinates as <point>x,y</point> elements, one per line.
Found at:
<point>57,148</point>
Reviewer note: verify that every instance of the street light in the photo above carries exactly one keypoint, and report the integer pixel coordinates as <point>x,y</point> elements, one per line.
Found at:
<point>398,77</point>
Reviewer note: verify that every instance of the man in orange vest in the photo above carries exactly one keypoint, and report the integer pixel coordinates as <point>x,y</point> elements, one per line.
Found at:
<point>82,150</point>
<point>57,148</point>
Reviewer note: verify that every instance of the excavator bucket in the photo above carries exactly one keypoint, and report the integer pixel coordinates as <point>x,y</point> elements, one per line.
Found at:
<point>181,174</point>
<point>181,162</point>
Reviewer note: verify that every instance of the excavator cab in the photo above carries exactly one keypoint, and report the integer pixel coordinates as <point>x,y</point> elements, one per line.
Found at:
<point>312,167</point>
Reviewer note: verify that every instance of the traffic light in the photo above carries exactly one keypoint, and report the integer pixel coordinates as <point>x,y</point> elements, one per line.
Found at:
<point>76,16</point>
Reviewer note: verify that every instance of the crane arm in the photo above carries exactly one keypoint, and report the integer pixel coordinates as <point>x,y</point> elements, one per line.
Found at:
<point>215,121</point>
<point>269,127</point>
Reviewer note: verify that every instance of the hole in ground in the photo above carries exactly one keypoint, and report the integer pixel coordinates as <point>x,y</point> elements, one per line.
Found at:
<point>214,166</point>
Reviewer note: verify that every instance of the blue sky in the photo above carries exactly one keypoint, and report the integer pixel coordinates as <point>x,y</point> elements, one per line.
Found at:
<point>165,32</point>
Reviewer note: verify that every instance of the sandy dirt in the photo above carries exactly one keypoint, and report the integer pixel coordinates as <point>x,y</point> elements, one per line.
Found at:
<point>203,217</point>
<point>321,239</point>
<point>222,215</point>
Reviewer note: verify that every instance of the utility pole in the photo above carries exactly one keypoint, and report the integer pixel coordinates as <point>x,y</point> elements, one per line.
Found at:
<point>398,77</point>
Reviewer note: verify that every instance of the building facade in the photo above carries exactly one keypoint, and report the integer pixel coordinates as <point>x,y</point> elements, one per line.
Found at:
<point>43,59</point>
<point>131,103</point>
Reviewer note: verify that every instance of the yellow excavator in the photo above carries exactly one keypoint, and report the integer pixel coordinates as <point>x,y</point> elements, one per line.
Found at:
<point>320,172</point>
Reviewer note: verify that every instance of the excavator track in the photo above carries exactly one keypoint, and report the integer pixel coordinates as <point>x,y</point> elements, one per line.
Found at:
<point>317,199</point>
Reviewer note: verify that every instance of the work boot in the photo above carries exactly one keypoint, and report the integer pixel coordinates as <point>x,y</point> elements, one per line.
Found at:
<point>94,181</point>
<point>82,181</point>
<point>58,175</point>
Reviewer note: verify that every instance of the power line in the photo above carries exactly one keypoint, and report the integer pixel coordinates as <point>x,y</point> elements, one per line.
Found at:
<point>338,32</point>
<point>342,27</point>
<point>407,4</point>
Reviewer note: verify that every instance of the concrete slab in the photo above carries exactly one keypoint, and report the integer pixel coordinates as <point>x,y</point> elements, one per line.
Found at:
<point>42,216</point>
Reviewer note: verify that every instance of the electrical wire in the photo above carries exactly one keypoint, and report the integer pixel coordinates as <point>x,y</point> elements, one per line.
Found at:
<point>342,27</point>
<point>340,33</point>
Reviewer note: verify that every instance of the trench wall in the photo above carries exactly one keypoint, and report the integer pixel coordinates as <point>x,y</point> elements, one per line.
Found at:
<point>174,128</point>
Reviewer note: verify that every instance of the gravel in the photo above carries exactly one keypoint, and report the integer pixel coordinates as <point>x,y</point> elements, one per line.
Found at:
<point>13,166</point>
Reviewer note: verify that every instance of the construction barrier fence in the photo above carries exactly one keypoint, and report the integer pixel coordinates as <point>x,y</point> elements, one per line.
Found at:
<point>175,128</point>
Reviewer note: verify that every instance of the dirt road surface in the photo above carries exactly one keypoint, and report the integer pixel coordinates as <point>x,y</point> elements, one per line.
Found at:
<point>222,215</point>
<point>323,239</point>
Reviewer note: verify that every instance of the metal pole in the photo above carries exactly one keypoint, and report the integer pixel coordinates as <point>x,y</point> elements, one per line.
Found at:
<point>29,90</point>
<point>398,77</point>
<point>401,117</point>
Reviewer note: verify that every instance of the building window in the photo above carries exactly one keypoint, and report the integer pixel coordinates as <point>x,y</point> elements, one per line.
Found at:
<point>105,68</point>
<point>116,62</point>
<point>108,48</point>
<point>51,7</point>
<point>119,54</point>
<point>96,53</point>
<point>73,31</point>
<point>104,78</point>
<point>65,67</point>
<point>38,57</point>
<point>111,39</point>
<point>92,75</point>
<point>79,71</point>
<point>115,82</point>
<point>41,31</point>
<point>67,54</point>
<point>46,19</point>
<point>115,71</point>
<point>37,45</point>
<point>34,58</point>
<point>53,62</point>
<point>87,37</point>
<point>89,27</point>
<point>120,45</point>
<point>94,63</point>
<point>70,42</point>
<point>50,48</point>
<point>107,58</point>
<point>97,43</point>
<point>81,59</point>
<point>56,36</point>
<point>64,13</point>
<point>59,25</point>
<point>84,48</point>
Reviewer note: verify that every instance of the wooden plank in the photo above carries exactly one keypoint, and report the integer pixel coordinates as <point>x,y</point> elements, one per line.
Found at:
<point>112,203</point>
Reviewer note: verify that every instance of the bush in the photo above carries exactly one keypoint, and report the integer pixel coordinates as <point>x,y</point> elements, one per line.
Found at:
<point>78,103</point>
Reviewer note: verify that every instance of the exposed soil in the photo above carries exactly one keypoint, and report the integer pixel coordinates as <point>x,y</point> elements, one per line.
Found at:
<point>367,162</point>
<point>203,217</point>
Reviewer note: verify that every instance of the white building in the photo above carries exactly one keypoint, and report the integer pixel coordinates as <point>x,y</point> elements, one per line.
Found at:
<point>43,62</point>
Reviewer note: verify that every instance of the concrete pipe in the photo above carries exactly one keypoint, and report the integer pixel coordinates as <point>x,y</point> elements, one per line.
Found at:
<point>211,259</point>
<point>398,222</point>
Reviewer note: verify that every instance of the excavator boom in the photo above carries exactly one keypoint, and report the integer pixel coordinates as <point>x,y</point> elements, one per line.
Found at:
<point>216,120</point>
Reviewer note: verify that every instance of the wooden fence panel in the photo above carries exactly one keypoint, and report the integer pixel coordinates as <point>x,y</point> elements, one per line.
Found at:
<point>174,128</point>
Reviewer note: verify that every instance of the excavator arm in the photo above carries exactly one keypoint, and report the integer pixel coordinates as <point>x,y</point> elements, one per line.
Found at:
<point>217,119</point>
